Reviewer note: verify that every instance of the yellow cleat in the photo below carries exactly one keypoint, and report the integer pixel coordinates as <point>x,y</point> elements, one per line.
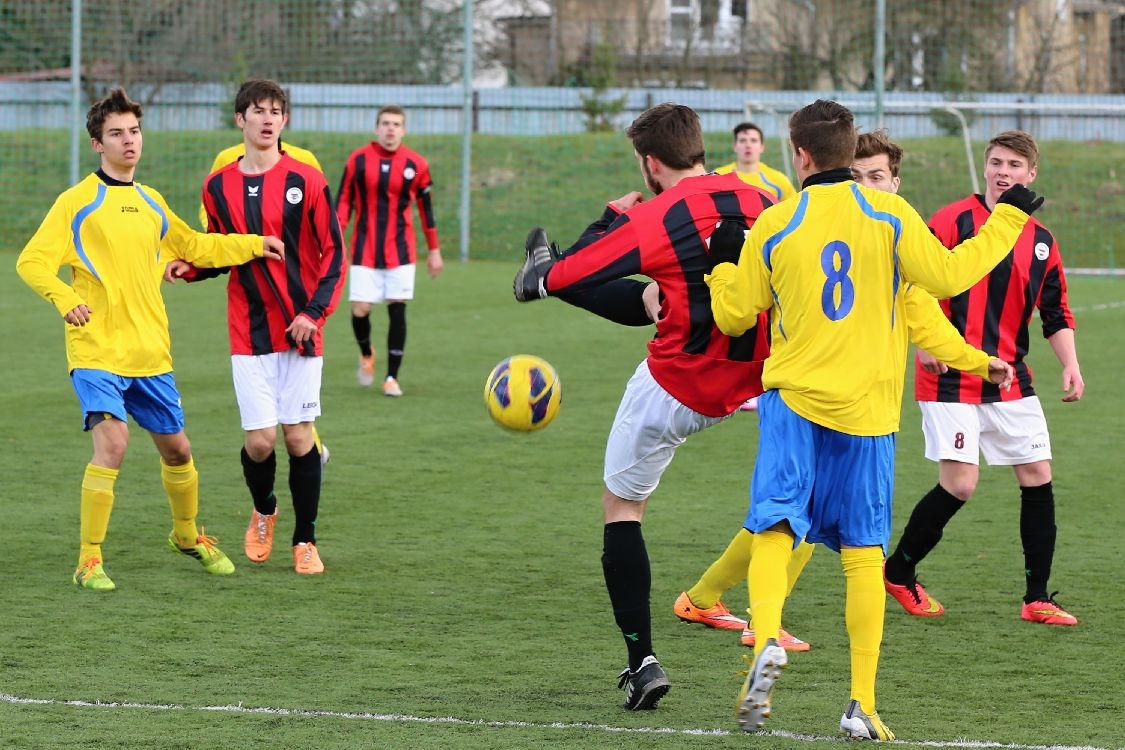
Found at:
<point>91,575</point>
<point>204,550</point>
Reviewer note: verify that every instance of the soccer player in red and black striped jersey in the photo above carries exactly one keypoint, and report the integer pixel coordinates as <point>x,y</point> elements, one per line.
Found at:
<point>380,182</point>
<point>275,317</point>
<point>694,376</point>
<point>963,415</point>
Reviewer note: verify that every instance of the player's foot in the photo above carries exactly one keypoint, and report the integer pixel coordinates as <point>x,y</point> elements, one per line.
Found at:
<point>750,404</point>
<point>306,559</point>
<point>717,616</point>
<point>90,575</point>
<point>204,550</point>
<point>754,697</point>
<point>860,726</point>
<point>365,373</point>
<point>258,541</point>
<point>913,597</point>
<point>787,640</point>
<point>645,687</point>
<point>391,387</point>
<point>1048,612</point>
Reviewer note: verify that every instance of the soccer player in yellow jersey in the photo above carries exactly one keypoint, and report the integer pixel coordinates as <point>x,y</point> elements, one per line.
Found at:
<point>876,165</point>
<point>749,144</point>
<point>115,236</point>
<point>832,267</point>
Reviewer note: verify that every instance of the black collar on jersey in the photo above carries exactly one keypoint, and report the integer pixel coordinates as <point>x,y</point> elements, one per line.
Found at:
<point>110,181</point>
<point>828,177</point>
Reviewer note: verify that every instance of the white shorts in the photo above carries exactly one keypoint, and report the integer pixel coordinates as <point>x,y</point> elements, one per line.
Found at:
<point>648,428</point>
<point>1009,433</point>
<point>277,388</point>
<point>376,285</point>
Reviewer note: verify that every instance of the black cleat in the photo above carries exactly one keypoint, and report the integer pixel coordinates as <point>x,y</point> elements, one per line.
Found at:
<point>645,687</point>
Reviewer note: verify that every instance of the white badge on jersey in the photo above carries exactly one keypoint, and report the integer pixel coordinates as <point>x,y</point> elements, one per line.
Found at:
<point>294,195</point>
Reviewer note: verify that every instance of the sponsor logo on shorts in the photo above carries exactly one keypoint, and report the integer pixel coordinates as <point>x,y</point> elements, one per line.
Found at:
<point>310,405</point>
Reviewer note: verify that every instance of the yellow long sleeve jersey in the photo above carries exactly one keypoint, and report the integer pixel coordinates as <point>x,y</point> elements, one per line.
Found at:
<point>116,239</point>
<point>769,179</point>
<point>833,267</point>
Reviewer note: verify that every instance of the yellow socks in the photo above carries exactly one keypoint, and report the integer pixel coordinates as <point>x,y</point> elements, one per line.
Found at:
<point>182,485</point>
<point>724,572</point>
<point>864,610</point>
<point>797,563</point>
<point>771,551</point>
<point>97,503</point>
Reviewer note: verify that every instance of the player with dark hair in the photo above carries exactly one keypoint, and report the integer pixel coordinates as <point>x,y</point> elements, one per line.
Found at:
<point>275,317</point>
<point>380,182</point>
<point>749,145</point>
<point>232,154</point>
<point>693,378</point>
<point>961,418</point>
<point>832,267</point>
<point>875,165</point>
<point>115,235</point>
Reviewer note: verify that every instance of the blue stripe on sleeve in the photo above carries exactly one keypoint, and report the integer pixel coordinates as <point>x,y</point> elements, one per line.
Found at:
<point>155,207</point>
<point>76,229</point>
<point>775,188</point>
<point>772,243</point>
<point>896,224</point>
<point>794,222</point>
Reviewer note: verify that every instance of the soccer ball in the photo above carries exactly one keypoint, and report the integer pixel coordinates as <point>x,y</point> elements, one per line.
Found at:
<point>522,393</point>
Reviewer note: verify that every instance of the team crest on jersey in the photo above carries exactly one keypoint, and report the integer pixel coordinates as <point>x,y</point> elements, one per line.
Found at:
<point>408,173</point>
<point>294,195</point>
<point>1041,250</point>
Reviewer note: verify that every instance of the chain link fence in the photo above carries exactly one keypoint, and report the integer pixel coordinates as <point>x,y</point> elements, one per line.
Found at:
<point>554,82</point>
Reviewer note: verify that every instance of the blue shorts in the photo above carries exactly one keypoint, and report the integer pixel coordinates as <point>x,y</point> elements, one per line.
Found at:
<point>153,401</point>
<point>833,488</point>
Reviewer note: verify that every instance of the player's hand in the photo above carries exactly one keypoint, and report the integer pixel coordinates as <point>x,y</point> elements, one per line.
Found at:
<point>726,241</point>
<point>434,263</point>
<point>1073,384</point>
<point>651,299</point>
<point>79,316</point>
<point>273,248</point>
<point>627,201</point>
<point>175,270</point>
<point>930,363</point>
<point>1001,373</point>
<point>531,280</point>
<point>302,329</point>
<point>1019,196</point>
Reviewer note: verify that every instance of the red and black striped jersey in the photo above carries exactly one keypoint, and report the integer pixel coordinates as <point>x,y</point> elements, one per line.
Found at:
<point>994,314</point>
<point>665,238</point>
<point>292,201</point>
<point>378,186</point>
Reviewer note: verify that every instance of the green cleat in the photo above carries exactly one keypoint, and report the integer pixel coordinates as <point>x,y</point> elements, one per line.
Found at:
<point>91,575</point>
<point>210,557</point>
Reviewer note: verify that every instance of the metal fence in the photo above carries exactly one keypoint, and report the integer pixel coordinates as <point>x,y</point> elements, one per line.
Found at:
<point>958,70</point>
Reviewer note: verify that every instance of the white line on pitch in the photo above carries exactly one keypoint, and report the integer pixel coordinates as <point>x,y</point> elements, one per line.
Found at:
<point>451,720</point>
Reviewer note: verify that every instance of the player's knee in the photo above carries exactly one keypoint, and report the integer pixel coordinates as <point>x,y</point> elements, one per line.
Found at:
<point>259,446</point>
<point>961,488</point>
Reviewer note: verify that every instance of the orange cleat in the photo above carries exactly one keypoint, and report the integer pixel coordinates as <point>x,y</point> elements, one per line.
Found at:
<point>258,542</point>
<point>306,559</point>
<point>1048,612</point>
<point>785,639</point>
<point>717,616</point>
